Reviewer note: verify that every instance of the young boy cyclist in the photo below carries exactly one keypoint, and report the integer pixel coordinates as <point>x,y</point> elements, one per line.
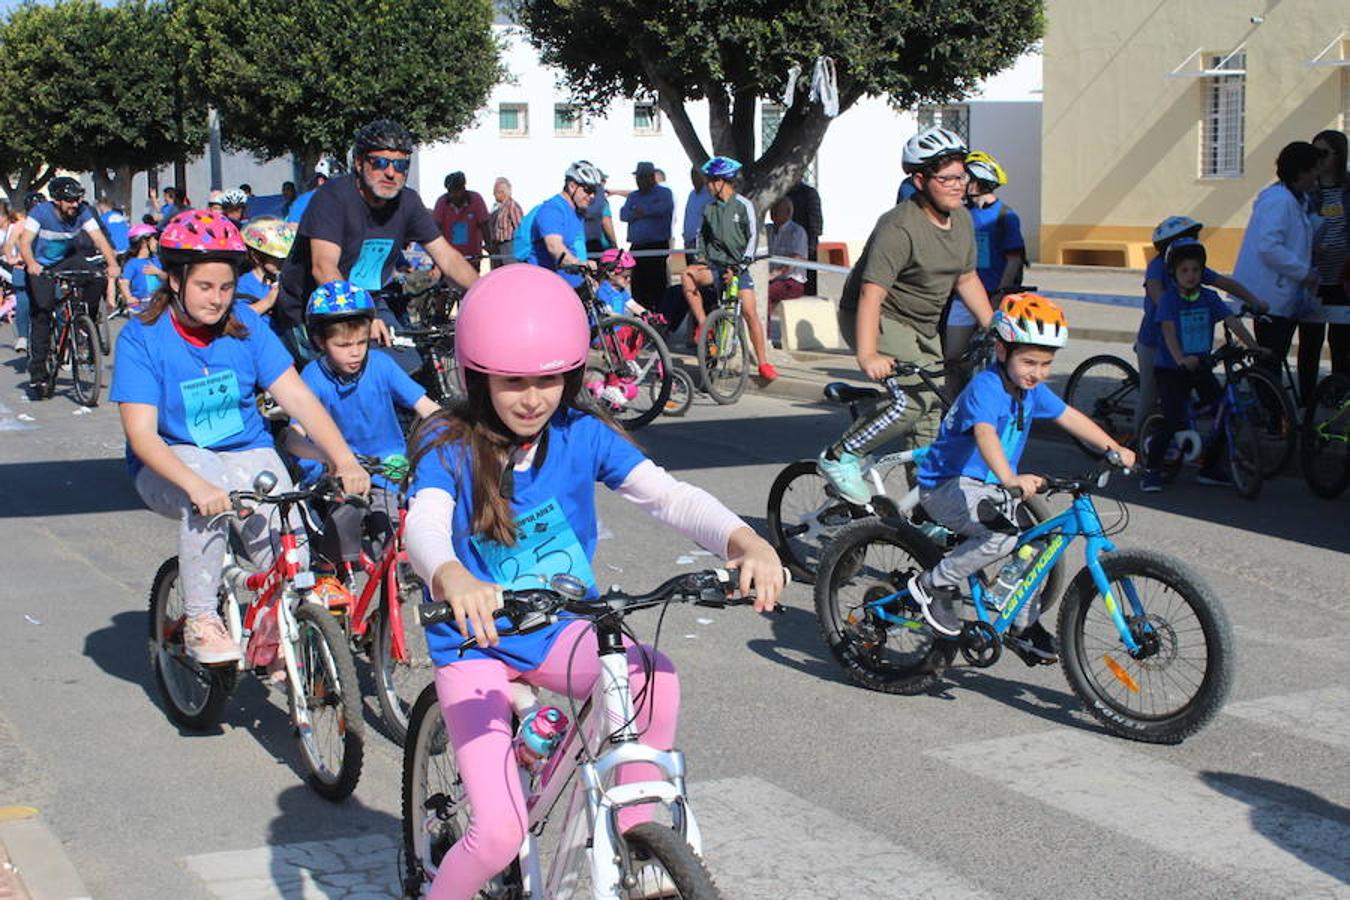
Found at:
<point>971,468</point>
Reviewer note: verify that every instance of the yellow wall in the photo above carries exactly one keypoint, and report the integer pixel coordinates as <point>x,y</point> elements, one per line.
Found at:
<point>1121,140</point>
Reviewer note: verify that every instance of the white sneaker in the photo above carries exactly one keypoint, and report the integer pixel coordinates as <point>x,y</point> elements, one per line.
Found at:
<point>21,345</point>
<point>208,641</point>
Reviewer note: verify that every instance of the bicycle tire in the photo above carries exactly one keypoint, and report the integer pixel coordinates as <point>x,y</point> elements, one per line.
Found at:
<point>86,359</point>
<point>1277,421</point>
<point>859,645</point>
<point>1325,455</point>
<point>666,847</point>
<point>725,372</point>
<point>647,375</point>
<point>328,659</point>
<point>1105,388</point>
<point>1197,706</point>
<point>194,695</point>
<point>399,682</point>
<point>1243,431</point>
<point>681,393</point>
<point>803,490</point>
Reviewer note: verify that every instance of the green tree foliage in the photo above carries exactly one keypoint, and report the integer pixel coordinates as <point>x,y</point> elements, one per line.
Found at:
<point>299,76</point>
<point>734,52</point>
<point>93,88</point>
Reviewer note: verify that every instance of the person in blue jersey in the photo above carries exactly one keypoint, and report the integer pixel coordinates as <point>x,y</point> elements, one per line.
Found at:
<point>142,273</point>
<point>186,375</point>
<point>557,232</point>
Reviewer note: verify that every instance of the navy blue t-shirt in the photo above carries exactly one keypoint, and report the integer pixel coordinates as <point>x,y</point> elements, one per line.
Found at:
<point>1148,335</point>
<point>1195,318</point>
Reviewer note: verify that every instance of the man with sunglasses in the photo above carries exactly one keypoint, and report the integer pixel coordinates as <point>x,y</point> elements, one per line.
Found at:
<point>919,254</point>
<point>557,232</point>
<point>354,229</point>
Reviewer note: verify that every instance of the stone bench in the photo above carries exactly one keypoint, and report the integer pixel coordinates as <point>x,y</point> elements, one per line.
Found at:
<point>809,323</point>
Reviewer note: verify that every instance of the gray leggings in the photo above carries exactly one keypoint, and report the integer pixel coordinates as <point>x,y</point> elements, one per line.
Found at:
<point>201,550</point>
<point>1148,386</point>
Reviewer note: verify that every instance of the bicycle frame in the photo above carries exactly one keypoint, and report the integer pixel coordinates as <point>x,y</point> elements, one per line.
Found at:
<point>382,588</point>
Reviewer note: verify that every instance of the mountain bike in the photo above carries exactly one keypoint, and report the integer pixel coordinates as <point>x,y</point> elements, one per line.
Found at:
<point>74,338</point>
<point>599,738</point>
<point>1239,418</point>
<point>284,628</point>
<point>1105,388</point>
<point>1326,437</point>
<point>628,370</point>
<point>724,346</point>
<point>1145,642</point>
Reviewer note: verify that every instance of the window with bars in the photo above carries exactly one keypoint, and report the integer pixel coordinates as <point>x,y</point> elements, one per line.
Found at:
<point>566,119</point>
<point>1222,135</point>
<point>646,119</point>
<point>513,119</point>
<point>953,118</point>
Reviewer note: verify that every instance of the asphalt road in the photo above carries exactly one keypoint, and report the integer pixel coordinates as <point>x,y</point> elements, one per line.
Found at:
<point>995,784</point>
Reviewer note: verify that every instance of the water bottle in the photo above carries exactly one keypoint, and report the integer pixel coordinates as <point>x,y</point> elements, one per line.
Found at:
<point>1010,576</point>
<point>539,734</point>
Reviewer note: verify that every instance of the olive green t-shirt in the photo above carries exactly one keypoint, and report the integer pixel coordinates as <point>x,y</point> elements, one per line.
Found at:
<point>917,262</point>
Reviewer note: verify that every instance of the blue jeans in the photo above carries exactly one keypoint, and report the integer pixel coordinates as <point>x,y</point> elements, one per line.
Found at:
<point>22,317</point>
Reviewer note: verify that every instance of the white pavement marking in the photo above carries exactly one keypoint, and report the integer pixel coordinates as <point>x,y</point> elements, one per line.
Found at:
<point>1321,715</point>
<point>340,869</point>
<point>1240,835</point>
<point>9,422</point>
<point>764,843</point>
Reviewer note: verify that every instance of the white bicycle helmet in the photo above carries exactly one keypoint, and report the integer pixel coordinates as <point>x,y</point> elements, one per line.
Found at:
<point>1173,227</point>
<point>585,173</point>
<point>930,146</point>
<point>233,197</point>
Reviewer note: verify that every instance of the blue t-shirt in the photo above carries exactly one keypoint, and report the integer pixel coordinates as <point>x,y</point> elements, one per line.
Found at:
<point>141,284</point>
<point>615,298</point>
<point>116,224</point>
<point>298,206</point>
<point>985,400</point>
<point>205,395</point>
<point>1195,318</point>
<point>1148,335</point>
<point>364,408</point>
<point>557,216</point>
<point>56,236</point>
<point>555,524</point>
<point>250,288</point>
<point>994,239</point>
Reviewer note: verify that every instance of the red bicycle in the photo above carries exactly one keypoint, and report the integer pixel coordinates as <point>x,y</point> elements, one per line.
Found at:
<point>287,633</point>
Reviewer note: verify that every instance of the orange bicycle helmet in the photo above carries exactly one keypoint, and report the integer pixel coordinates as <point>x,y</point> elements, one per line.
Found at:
<point>1031,319</point>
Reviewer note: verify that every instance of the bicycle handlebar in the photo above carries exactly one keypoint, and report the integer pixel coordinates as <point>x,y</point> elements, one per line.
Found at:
<point>326,488</point>
<point>1081,485</point>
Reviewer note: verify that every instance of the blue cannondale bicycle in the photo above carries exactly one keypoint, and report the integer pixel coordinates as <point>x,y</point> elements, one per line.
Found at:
<point>1144,641</point>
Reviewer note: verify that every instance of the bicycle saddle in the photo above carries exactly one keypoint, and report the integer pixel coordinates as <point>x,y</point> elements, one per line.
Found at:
<point>839,392</point>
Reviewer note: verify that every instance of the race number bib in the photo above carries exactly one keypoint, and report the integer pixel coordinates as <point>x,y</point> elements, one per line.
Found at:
<point>212,408</point>
<point>1197,332</point>
<point>368,270</point>
<point>459,233</point>
<point>545,546</point>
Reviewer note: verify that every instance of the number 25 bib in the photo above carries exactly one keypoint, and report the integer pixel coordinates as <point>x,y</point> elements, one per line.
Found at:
<point>545,546</point>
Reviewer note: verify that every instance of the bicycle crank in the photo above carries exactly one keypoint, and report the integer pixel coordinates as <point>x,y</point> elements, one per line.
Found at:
<point>980,644</point>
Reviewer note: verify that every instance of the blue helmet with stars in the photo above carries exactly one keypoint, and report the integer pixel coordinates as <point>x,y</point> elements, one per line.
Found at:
<point>336,301</point>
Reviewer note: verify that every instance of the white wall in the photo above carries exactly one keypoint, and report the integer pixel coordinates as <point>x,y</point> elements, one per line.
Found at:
<point>1011,130</point>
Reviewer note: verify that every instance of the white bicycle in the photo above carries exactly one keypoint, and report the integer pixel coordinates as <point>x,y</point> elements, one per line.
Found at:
<point>660,858</point>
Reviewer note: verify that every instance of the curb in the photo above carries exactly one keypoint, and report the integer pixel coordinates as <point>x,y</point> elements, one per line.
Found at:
<point>37,864</point>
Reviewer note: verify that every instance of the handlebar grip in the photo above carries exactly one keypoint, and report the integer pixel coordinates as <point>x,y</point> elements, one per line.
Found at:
<point>429,614</point>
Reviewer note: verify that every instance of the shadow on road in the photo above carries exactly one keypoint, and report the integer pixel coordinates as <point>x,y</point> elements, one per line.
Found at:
<point>322,849</point>
<point>66,487</point>
<point>1270,802</point>
<point>797,644</point>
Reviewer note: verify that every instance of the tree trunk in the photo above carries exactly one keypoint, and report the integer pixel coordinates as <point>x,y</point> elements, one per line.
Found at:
<point>27,178</point>
<point>115,184</point>
<point>781,166</point>
<point>671,101</point>
<point>309,158</point>
<point>719,120</point>
<point>743,124</point>
<point>180,178</point>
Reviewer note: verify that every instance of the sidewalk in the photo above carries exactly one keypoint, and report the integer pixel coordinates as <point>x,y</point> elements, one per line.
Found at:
<point>33,863</point>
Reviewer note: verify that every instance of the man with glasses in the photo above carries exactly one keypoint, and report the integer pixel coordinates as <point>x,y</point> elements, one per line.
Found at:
<point>557,233</point>
<point>918,254</point>
<point>354,229</point>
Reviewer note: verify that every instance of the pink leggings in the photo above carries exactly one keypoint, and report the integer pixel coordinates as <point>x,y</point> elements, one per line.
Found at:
<point>476,703</point>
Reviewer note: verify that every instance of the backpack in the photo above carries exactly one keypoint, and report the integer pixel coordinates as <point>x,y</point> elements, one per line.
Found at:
<point>522,242</point>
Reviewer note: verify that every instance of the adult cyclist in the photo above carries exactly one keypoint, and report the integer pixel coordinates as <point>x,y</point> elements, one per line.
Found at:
<point>555,228</point>
<point>354,229</point>
<point>48,246</point>
<point>919,253</point>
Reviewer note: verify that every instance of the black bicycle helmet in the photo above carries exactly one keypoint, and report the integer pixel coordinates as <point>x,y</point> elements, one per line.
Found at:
<point>32,199</point>
<point>65,188</point>
<point>1184,248</point>
<point>381,134</point>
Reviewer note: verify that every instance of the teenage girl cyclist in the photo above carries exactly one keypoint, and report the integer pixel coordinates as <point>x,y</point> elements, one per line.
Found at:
<point>186,374</point>
<point>522,446</point>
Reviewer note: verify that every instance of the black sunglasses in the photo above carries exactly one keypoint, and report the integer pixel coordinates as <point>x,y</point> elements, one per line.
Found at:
<point>380,163</point>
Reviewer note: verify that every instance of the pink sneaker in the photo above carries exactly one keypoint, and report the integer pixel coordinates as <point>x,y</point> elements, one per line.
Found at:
<point>767,371</point>
<point>208,641</point>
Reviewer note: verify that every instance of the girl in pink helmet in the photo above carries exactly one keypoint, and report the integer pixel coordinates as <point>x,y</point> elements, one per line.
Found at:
<point>142,272</point>
<point>525,444</point>
<point>187,371</point>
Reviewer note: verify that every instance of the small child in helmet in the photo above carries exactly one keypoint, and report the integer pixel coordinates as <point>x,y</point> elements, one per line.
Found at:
<point>360,390</point>
<point>973,463</point>
<point>616,290</point>
<point>524,446</point>
<point>269,241</point>
<point>1186,316</point>
<point>142,271</point>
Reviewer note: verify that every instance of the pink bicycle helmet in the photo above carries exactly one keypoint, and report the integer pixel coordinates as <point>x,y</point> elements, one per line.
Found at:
<point>140,230</point>
<point>521,320</point>
<point>199,235</point>
<point>617,260</point>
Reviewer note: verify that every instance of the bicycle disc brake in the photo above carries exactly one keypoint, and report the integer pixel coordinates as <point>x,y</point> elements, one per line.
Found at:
<point>980,645</point>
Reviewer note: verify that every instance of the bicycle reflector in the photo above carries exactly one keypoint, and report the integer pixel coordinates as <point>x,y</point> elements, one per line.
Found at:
<point>1121,675</point>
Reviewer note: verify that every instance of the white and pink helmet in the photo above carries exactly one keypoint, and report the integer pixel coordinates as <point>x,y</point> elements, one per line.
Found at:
<point>521,320</point>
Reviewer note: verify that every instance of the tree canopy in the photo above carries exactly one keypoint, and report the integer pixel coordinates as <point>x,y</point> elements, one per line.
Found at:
<point>299,76</point>
<point>735,53</point>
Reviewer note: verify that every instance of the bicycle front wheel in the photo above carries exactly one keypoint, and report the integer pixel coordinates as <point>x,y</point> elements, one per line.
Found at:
<point>86,361</point>
<point>1179,680</point>
<point>1326,438</point>
<point>869,562</point>
<point>804,516</point>
<point>1243,430</point>
<point>332,744</point>
<point>681,393</point>
<point>724,356</point>
<point>398,682</point>
<point>1275,417</point>
<point>1105,388</point>
<point>666,865</point>
<point>635,366</point>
